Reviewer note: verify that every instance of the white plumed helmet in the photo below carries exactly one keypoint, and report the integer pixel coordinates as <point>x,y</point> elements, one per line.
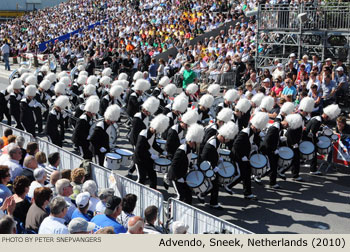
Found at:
<point>107,72</point>
<point>267,103</point>
<point>92,105</point>
<point>192,88</point>
<point>332,111</point>
<point>260,120</point>
<point>231,95</point>
<point>190,117</point>
<point>142,85</point>
<point>116,91</point>
<point>89,89</point>
<point>170,89</point>
<point>206,101</point>
<point>30,90</point>
<point>45,84</point>
<point>229,130</point>
<point>164,81</point>
<point>243,105</point>
<point>112,113</point>
<point>287,108</point>
<point>195,133</point>
<point>151,104</point>
<point>214,89</point>
<point>160,123</point>
<point>16,83</point>
<point>62,101</point>
<point>294,121</point>
<point>60,88</point>
<point>224,115</point>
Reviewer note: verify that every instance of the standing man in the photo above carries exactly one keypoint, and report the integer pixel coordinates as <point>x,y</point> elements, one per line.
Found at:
<point>5,50</point>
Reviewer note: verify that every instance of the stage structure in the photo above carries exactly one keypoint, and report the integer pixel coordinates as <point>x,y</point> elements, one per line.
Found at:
<point>311,29</point>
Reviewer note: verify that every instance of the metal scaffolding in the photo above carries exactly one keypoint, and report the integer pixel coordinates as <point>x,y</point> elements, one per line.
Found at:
<point>310,29</point>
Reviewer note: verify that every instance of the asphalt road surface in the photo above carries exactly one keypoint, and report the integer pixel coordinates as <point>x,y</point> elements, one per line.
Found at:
<point>319,204</point>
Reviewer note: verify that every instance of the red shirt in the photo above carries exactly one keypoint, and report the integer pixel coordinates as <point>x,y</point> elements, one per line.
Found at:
<point>277,90</point>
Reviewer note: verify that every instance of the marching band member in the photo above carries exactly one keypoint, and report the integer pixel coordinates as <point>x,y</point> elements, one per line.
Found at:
<point>15,98</point>
<point>178,107</point>
<point>82,129</point>
<point>164,99</point>
<point>230,97</point>
<point>226,133</point>
<point>99,140</point>
<point>27,116</point>
<point>256,101</point>
<point>89,90</point>
<point>44,70</point>
<point>55,119</point>
<point>266,104</point>
<point>103,86</point>
<point>190,94</point>
<point>222,117</point>
<point>141,121</point>
<point>286,109</point>
<point>306,106</point>
<point>182,161</point>
<point>4,108</point>
<point>146,148</point>
<point>269,147</point>
<point>111,98</point>
<point>241,114</point>
<point>176,132</point>
<point>163,82</point>
<point>42,97</point>
<point>52,78</point>
<point>30,80</point>
<point>214,90</point>
<point>247,141</point>
<point>135,99</point>
<point>313,127</point>
<point>78,87</point>
<point>59,89</point>
<point>205,103</point>
<point>293,135</point>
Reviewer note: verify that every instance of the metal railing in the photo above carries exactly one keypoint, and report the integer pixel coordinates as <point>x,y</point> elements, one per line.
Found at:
<point>27,136</point>
<point>318,17</point>
<point>199,221</point>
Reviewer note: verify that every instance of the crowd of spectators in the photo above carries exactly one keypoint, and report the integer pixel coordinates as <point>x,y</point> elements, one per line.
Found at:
<point>63,203</point>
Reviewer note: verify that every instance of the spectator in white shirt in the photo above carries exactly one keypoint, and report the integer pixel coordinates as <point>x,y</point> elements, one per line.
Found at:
<point>40,177</point>
<point>54,224</point>
<point>91,187</point>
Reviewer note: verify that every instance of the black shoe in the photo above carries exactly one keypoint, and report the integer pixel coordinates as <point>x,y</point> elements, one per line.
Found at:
<point>200,198</point>
<point>228,190</point>
<point>129,176</point>
<point>275,186</point>
<point>216,207</point>
<point>281,175</point>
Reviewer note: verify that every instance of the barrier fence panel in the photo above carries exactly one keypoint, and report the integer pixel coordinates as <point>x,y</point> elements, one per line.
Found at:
<point>145,196</point>
<point>200,222</point>
<point>17,132</point>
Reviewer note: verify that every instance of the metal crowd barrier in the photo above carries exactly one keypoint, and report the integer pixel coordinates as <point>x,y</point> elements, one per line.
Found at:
<point>68,160</point>
<point>145,196</point>
<point>27,136</point>
<point>199,221</point>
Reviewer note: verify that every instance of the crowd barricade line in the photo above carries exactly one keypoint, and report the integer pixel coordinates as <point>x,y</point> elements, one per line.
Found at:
<point>17,132</point>
<point>199,221</point>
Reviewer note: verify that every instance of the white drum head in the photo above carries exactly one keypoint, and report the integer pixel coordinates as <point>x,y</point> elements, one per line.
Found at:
<point>285,152</point>
<point>335,137</point>
<point>209,173</point>
<point>124,152</point>
<point>161,141</point>
<point>327,132</point>
<point>194,156</point>
<point>113,156</point>
<point>205,165</point>
<point>226,170</point>
<point>194,178</point>
<point>323,142</point>
<point>306,147</point>
<point>258,161</point>
<point>224,152</point>
<point>162,161</point>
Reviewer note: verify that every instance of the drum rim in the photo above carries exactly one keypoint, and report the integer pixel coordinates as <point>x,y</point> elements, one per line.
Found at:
<point>260,167</point>
<point>226,152</point>
<point>220,170</point>
<point>211,171</point>
<point>129,154</point>
<point>324,137</point>
<point>207,162</point>
<point>289,150</point>
<point>111,153</point>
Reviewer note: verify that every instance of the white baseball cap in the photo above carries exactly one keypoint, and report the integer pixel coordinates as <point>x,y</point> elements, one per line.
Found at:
<point>82,199</point>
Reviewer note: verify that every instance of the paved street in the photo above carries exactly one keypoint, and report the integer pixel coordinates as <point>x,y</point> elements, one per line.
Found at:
<point>320,204</point>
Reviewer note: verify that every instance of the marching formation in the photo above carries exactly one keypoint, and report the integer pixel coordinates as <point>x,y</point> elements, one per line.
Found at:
<point>199,140</point>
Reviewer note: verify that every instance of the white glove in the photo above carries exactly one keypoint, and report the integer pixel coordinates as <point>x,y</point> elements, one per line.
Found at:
<point>216,169</point>
<point>283,138</point>
<point>165,153</point>
<point>276,152</point>
<point>244,158</point>
<point>183,141</point>
<point>154,157</point>
<point>254,147</point>
<point>43,109</point>
<point>310,135</point>
<point>195,167</point>
<point>181,180</point>
<point>103,149</point>
<point>261,134</point>
<point>295,145</point>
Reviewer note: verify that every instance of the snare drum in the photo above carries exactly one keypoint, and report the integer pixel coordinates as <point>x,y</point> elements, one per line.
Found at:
<point>209,174</point>
<point>126,156</point>
<point>225,173</point>
<point>194,158</point>
<point>324,145</point>
<point>334,137</point>
<point>205,166</point>
<point>225,154</point>
<point>307,150</point>
<point>162,165</point>
<point>286,155</point>
<point>112,161</point>
<point>197,182</point>
<point>258,162</point>
<point>161,143</point>
<point>327,132</point>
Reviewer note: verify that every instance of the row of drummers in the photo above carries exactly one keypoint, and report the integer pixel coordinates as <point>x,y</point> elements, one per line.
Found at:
<point>233,155</point>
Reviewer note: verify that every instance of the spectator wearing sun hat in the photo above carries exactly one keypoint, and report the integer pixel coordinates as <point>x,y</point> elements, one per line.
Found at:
<point>82,202</point>
<point>80,226</point>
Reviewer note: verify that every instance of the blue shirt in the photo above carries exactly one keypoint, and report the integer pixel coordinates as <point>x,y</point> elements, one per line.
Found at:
<point>289,91</point>
<point>102,220</point>
<point>153,70</point>
<point>4,193</point>
<point>328,88</point>
<point>78,214</point>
